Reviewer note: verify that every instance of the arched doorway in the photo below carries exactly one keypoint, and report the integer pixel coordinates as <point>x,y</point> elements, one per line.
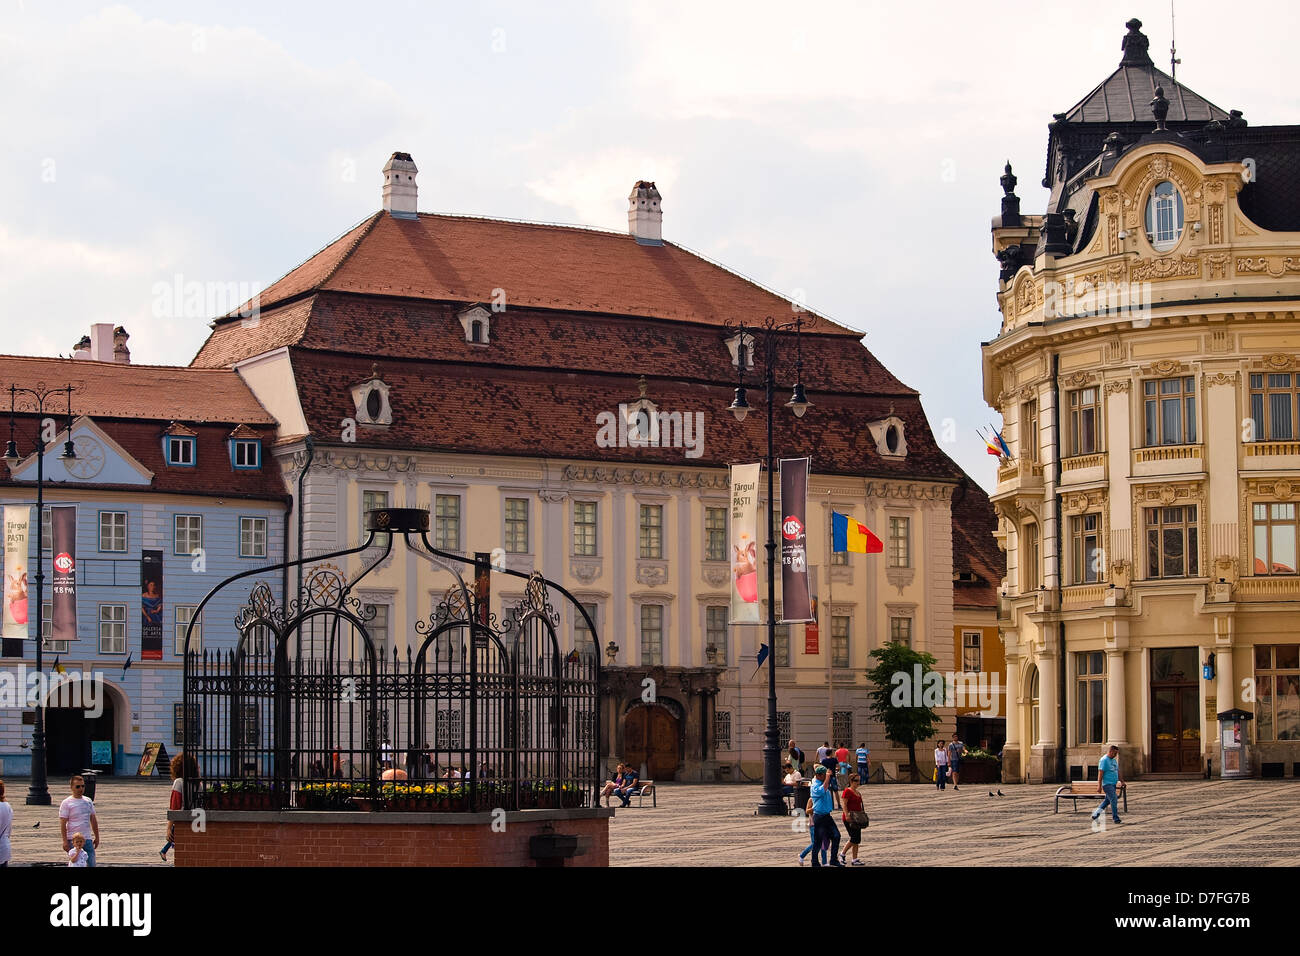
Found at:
<point>81,728</point>
<point>652,738</point>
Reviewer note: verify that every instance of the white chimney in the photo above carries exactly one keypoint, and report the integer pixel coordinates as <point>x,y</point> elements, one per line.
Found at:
<point>101,342</point>
<point>399,186</point>
<point>645,220</point>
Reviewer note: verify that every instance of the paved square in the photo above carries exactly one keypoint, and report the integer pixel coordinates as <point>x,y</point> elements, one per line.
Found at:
<point>1169,823</point>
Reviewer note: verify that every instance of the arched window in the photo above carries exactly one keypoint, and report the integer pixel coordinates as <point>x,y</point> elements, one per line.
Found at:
<point>1033,707</point>
<point>476,331</point>
<point>1164,217</point>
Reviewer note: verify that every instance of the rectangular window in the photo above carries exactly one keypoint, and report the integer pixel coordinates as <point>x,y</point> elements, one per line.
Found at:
<point>1275,533</point>
<point>179,725</point>
<point>783,725</point>
<point>1085,538</point>
<point>1169,410</point>
<point>1273,399</point>
<point>180,451</point>
<point>517,525</point>
<point>112,531</point>
<point>377,628</point>
<point>247,453</point>
<point>839,558</point>
<point>583,639</point>
<point>446,522</point>
<point>112,629</point>
<point>1029,431</point>
<point>900,550</point>
<point>182,615</point>
<point>1085,421</point>
<point>252,537</point>
<point>900,630</point>
<point>1029,558</point>
<point>842,727</point>
<point>584,528</point>
<point>715,534</point>
<point>972,652</point>
<point>722,729</point>
<point>782,649</point>
<point>46,530</point>
<point>839,642</point>
<point>47,628</point>
<point>1172,550</point>
<point>652,634</point>
<point>715,630</point>
<point>652,531</point>
<point>374,501</point>
<point>1090,697</point>
<point>188,534</point>
<point>1277,697</point>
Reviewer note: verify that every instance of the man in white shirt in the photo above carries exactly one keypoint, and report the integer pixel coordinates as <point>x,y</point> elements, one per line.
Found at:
<point>76,815</point>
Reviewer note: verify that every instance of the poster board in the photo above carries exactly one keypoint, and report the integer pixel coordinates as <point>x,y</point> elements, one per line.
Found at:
<point>101,753</point>
<point>148,759</point>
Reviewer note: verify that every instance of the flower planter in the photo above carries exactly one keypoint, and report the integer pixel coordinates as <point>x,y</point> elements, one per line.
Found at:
<point>978,771</point>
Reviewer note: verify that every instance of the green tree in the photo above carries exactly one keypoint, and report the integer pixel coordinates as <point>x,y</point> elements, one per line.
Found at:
<point>900,701</point>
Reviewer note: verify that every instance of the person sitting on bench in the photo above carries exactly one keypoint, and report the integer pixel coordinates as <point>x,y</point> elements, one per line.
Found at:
<point>630,781</point>
<point>612,785</point>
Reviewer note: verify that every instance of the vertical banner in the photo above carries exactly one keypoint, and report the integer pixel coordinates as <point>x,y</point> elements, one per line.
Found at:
<point>63,590</point>
<point>17,523</point>
<point>483,586</point>
<point>744,543</point>
<point>151,605</point>
<point>812,630</point>
<point>796,598</point>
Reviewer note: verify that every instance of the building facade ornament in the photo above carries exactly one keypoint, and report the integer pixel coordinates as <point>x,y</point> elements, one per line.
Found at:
<point>1164,268</point>
<point>1220,378</point>
<point>716,575</point>
<point>585,571</point>
<point>600,474</point>
<point>1078,379</point>
<point>1275,266</point>
<point>1117,386</point>
<point>1165,368</point>
<point>1276,362</point>
<point>908,490</point>
<point>1216,265</point>
<point>651,573</point>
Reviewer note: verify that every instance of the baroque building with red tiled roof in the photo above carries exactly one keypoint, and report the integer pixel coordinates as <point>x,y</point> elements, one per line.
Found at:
<point>169,464</point>
<point>469,366</point>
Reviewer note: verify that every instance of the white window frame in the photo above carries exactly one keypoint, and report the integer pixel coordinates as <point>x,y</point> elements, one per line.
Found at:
<point>113,531</point>
<point>511,525</point>
<point>253,533</point>
<point>182,614</point>
<point>441,522</point>
<point>189,533</point>
<point>113,621</point>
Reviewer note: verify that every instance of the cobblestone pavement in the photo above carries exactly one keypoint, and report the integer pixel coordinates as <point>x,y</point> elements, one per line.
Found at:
<point>1169,823</point>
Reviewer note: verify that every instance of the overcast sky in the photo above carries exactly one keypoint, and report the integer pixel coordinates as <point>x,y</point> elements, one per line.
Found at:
<point>846,154</point>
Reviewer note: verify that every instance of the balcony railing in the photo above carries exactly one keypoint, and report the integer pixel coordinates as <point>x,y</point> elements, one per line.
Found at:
<point>1083,461</point>
<point>1167,453</point>
<point>1270,587</point>
<point>1262,449</point>
<point>1084,595</point>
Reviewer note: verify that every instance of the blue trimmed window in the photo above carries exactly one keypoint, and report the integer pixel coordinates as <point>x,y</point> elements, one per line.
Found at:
<point>181,451</point>
<point>246,453</point>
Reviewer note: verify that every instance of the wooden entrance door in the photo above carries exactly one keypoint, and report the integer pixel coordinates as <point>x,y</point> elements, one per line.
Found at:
<point>650,737</point>
<point>1175,711</point>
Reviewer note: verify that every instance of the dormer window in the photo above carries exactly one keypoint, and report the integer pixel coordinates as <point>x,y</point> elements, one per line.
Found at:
<point>370,399</point>
<point>180,451</point>
<point>1164,217</point>
<point>246,454</point>
<point>477,323</point>
<point>741,351</point>
<point>890,436</point>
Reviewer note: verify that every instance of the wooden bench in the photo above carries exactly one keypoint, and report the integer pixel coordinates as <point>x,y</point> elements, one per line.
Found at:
<point>1085,790</point>
<point>643,789</point>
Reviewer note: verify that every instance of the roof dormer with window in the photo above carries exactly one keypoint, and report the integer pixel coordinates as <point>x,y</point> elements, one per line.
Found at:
<point>180,446</point>
<point>476,321</point>
<point>371,401</point>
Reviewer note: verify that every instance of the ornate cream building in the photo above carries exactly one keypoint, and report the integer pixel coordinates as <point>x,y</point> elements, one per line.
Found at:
<point>1148,372</point>
<point>471,367</point>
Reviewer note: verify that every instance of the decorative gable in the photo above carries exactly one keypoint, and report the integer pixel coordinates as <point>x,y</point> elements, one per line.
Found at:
<point>99,459</point>
<point>476,321</point>
<point>371,401</point>
<point>890,436</point>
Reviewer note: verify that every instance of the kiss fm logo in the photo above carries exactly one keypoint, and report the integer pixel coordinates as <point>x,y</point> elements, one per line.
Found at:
<point>791,528</point>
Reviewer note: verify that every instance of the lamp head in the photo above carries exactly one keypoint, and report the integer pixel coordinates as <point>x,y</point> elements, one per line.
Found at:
<point>798,401</point>
<point>11,455</point>
<point>69,451</point>
<point>739,405</point>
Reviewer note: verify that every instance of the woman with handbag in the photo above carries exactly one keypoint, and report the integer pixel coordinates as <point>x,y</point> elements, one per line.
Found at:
<point>855,818</point>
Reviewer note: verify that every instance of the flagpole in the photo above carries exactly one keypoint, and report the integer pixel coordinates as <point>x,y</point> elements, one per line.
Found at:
<point>830,596</point>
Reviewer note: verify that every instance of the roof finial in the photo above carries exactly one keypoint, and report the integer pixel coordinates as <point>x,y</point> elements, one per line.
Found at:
<point>1173,45</point>
<point>1135,46</point>
<point>1160,108</point>
<point>640,384</point>
<point>374,370</point>
<point>1008,181</point>
<point>1010,201</point>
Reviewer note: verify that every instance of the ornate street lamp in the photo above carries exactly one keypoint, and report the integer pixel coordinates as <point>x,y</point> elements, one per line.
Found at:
<point>770,333</point>
<point>38,792</point>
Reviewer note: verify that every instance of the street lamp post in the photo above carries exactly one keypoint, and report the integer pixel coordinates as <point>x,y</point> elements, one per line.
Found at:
<point>771,332</point>
<point>38,793</point>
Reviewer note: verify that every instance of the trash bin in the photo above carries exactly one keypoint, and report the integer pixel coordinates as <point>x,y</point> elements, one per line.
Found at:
<point>89,776</point>
<point>1235,737</point>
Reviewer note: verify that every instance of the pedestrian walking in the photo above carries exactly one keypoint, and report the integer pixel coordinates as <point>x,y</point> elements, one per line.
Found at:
<point>183,767</point>
<point>77,815</point>
<point>864,763</point>
<point>1108,780</point>
<point>823,823</point>
<point>855,818</point>
<point>832,775</point>
<point>941,766</point>
<point>6,826</point>
<point>812,846</point>
<point>796,757</point>
<point>823,750</point>
<point>955,750</point>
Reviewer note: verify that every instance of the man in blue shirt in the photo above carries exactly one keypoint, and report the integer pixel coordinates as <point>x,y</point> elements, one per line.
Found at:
<point>824,827</point>
<point>864,763</point>
<point>1108,780</point>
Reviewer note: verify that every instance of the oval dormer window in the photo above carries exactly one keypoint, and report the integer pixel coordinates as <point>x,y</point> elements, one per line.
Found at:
<point>374,404</point>
<point>1164,217</point>
<point>891,439</point>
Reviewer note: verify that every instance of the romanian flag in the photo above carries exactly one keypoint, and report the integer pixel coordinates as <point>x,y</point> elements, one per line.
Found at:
<point>1002,443</point>
<point>59,668</point>
<point>850,535</point>
<point>992,447</point>
<point>573,657</point>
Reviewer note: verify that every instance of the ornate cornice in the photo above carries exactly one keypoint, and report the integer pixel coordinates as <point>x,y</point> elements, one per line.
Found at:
<point>907,490</point>
<point>1165,368</point>
<point>601,474</point>
<point>1165,268</point>
<point>1078,379</point>
<point>1276,362</point>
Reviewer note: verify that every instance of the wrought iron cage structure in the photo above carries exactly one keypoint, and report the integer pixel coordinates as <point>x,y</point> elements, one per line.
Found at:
<point>307,711</point>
